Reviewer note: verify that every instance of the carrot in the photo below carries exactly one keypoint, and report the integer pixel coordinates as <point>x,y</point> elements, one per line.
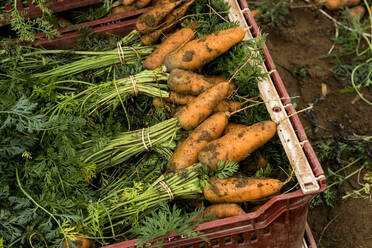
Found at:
<point>336,4</point>
<point>169,22</point>
<point>127,2</point>
<point>224,210</point>
<point>81,243</point>
<point>177,98</point>
<point>199,52</point>
<point>237,145</point>
<point>142,3</point>
<point>121,9</point>
<point>255,12</point>
<point>233,127</point>
<point>173,42</point>
<point>226,106</point>
<point>190,83</point>
<point>235,189</point>
<point>198,110</point>
<point>216,79</point>
<point>187,153</point>
<point>149,20</point>
<point>358,12</point>
<point>158,102</point>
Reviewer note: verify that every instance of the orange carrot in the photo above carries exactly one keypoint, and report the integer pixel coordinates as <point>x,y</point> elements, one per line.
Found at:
<point>149,20</point>
<point>233,127</point>
<point>169,22</point>
<point>255,12</point>
<point>358,12</point>
<point>173,42</point>
<point>196,53</point>
<point>216,79</point>
<point>121,9</point>
<point>241,189</point>
<point>81,243</point>
<point>177,98</point>
<point>336,4</point>
<point>198,110</point>
<point>187,153</point>
<point>159,103</point>
<point>191,83</point>
<point>227,106</point>
<point>237,145</point>
<point>224,210</point>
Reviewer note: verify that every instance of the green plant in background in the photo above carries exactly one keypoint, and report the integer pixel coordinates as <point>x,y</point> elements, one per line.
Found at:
<point>348,151</point>
<point>26,29</point>
<point>270,11</point>
<point>354,56</point>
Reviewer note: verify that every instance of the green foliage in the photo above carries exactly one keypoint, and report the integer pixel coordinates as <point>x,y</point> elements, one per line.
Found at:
<point>271,11</point>
<point>166,220</point>
<point>26,29</point>
<point>249,75</point>
<point>264,172</point>
<point>206,18</point>
<point>354,53</point>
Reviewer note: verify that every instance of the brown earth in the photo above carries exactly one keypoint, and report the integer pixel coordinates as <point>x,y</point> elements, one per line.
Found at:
<point>301,41</point>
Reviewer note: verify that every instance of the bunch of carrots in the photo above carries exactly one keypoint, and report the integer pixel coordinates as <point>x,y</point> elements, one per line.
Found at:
<point>203,109</point>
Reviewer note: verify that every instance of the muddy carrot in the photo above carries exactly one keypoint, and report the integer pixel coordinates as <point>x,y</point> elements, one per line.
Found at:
<point>235,189</point>
<point>224,210</point>
<point>187,153</point>
<point>196,53</point>
<point>235,146</point>
<point>149,20</point>
<point>198,110</point>
<point>169,22</point>
<point>174,41</point>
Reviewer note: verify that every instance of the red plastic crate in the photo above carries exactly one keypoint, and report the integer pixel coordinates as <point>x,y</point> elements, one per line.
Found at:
<point>120,24</point>
<point>280,222</point>
<point>32,11</point>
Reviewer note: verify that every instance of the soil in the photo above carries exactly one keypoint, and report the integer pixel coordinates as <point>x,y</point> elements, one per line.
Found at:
<point>298,46</point>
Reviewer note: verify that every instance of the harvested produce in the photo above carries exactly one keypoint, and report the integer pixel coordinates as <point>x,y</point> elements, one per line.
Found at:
<point>234,127</point>
<point>224,210</point>
<point>160,103</point>
<point>255,12</point>
<point>106,96</point>
<point>169,22</point>
<point>80,242</point>
<point>241,189</point>
<point>95,60</point>
<point>358,12</point>
<point>174,41</point>
<point>187,153</point>
<point>228,106</point>
<point>196,53</point>
<point>237,145</point>
<point>336,4</point>
<point>141,3</point>
<point>128,144</point>
<point>198,110</point>
<point>151,19</point>
<point>121,9</point>
<point>188,82</point>
<point>178,98</point>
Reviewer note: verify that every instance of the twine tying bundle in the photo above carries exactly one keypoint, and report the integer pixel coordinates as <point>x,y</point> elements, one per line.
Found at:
<point>148,138</point>
<point>120,53</point>
<point>169,191</point>
<point>134,83</point>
